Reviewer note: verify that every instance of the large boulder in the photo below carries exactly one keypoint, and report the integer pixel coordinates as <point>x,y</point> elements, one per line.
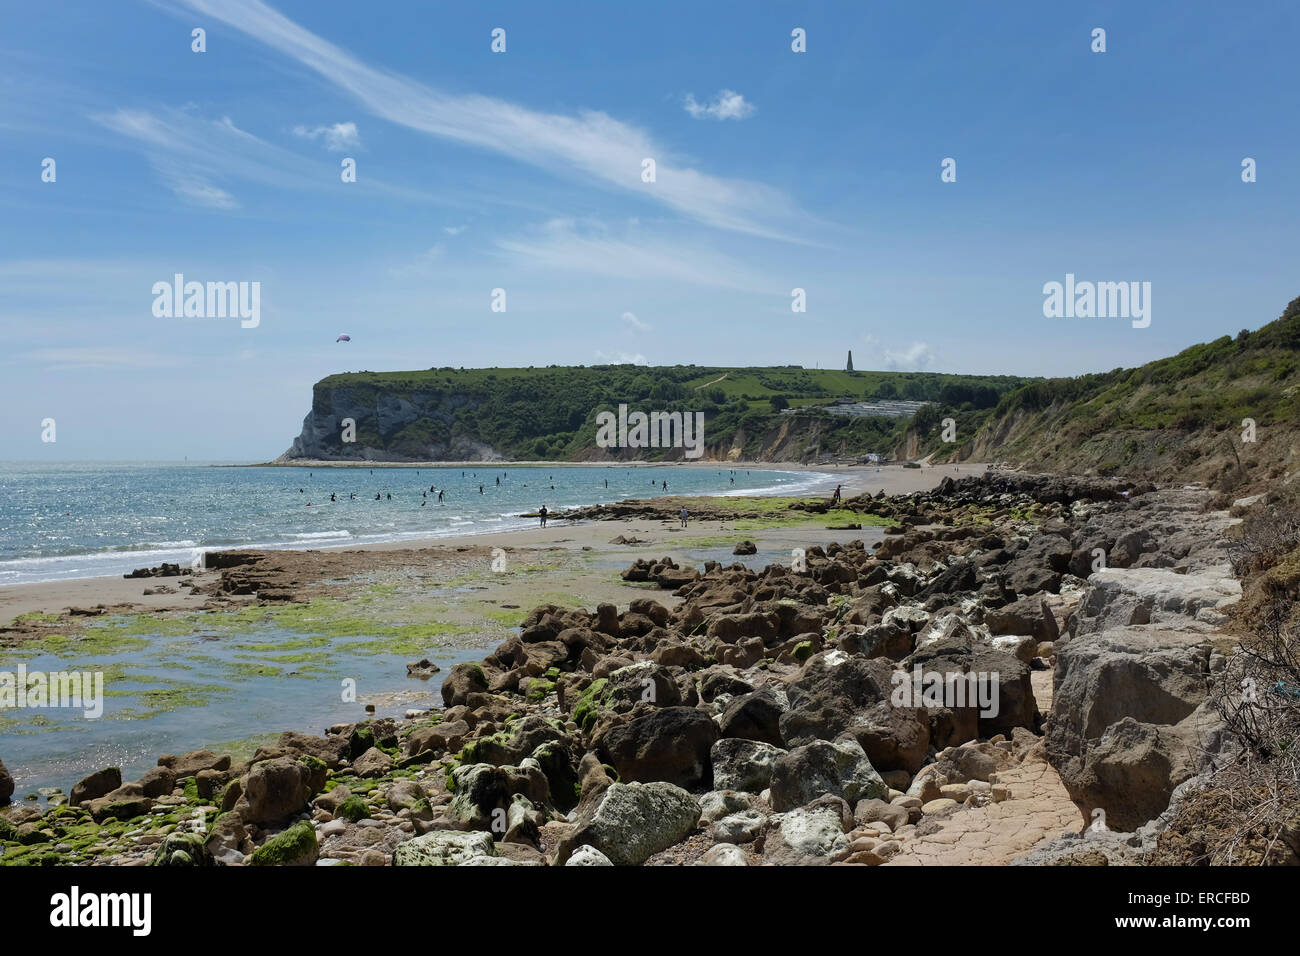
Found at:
<point>1029,615</point>
<point>754,716</point>
<point>125,803</point>
<point>840,769</point>
<point>1120,597</point>
<point>827,693</point>
<point>669,744</point>
<point>191,763</point>
<point>274,790</point>
<point>811,836</point>
<point>95,785</point>
<point>631,822</point>
<point>461,681</point>
<point>481,790</point>
<point>893,738</point>
<point>6,785</point>
<point>740,764</point>
<point>1131,720</point>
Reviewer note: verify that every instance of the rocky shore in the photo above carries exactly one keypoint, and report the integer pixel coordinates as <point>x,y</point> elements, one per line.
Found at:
<point>831,708</point>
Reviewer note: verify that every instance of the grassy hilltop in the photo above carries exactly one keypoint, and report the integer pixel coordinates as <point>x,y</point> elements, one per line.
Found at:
<point>550,413</point>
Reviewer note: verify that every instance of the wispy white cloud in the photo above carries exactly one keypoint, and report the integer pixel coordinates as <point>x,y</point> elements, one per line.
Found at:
<point>590,144</point>
<point>192,154</point>
<point>631,319</point>
<point>197,191</point>
<point>198,158</point>
<point>915,358</point>
<point>726,104</point>
<point>454,230</point>
<point>422,266</point>
<point>591,247</point>
<point>337,138</point>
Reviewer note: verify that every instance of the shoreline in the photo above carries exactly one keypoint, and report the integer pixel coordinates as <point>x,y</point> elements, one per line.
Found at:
<point>114,591</point>
<point>541,463</point>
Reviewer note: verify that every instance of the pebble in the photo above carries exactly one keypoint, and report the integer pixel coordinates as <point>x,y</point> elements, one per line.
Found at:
<point>938,806</point>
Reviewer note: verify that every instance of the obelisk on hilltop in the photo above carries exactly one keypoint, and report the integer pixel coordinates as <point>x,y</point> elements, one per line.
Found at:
<point>849,366</point>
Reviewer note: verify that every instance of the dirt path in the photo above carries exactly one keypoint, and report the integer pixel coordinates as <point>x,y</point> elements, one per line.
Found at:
<point>1039,809</point>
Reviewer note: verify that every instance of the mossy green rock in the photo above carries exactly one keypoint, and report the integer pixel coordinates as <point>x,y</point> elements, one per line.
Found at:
<point>353,809</point>
<point>182,849</point>
<point>296,846</point>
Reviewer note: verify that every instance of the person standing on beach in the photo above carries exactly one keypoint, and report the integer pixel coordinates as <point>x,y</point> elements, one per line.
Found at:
<point>684,516</point>
<point>541,513</point>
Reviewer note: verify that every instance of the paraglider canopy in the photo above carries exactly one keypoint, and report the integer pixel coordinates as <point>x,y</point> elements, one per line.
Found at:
<point>344,338</point>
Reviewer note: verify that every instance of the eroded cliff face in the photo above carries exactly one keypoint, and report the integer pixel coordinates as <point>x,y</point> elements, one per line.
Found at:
<point>386,426</point>
<point>432,425</point>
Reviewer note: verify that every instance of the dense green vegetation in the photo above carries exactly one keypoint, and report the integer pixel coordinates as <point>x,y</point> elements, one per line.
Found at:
<point>550,413</point>
<point>1178,415</point>
<point>1214,384</point>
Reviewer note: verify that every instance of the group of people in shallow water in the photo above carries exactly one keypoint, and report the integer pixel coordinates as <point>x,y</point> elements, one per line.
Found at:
<point>543,513</point>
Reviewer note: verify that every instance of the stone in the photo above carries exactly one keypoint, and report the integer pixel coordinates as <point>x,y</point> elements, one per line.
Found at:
<point>669,744</point>
<point>443,848</point>
<point>462,681</point>
<point>1131,720</point>
<point>723,854</point>
<point>191,763</point>
<point>94,786</point>
<point>373,763</point>
<point>806,838</point>
<point>157,782</point>
<point>296,846</point>
<point>875,810</point>
<point>274,790</point>
<point>754,716</point>
<point>821,767</point>
<point>632,821</point>
<point>939,805</point>
<point>586,855</point>
<point>742,764</point>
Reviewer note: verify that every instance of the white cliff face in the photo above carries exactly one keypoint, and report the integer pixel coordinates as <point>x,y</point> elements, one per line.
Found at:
<point>386,426</point>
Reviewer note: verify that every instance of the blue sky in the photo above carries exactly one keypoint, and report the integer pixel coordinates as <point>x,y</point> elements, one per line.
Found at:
<point>521,170</point>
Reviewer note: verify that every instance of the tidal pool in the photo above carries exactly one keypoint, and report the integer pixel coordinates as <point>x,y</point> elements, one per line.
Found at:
<point>220,687</point>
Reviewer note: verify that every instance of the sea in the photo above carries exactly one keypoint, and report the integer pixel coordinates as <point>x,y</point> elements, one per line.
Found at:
<point>79,520</point>
<point>213,680</point>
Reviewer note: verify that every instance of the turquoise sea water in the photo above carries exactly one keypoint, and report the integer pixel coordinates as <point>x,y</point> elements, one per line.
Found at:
<point>90,519</point>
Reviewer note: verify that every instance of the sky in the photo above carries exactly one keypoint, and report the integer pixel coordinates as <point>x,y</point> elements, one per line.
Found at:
<point>523,170</point>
